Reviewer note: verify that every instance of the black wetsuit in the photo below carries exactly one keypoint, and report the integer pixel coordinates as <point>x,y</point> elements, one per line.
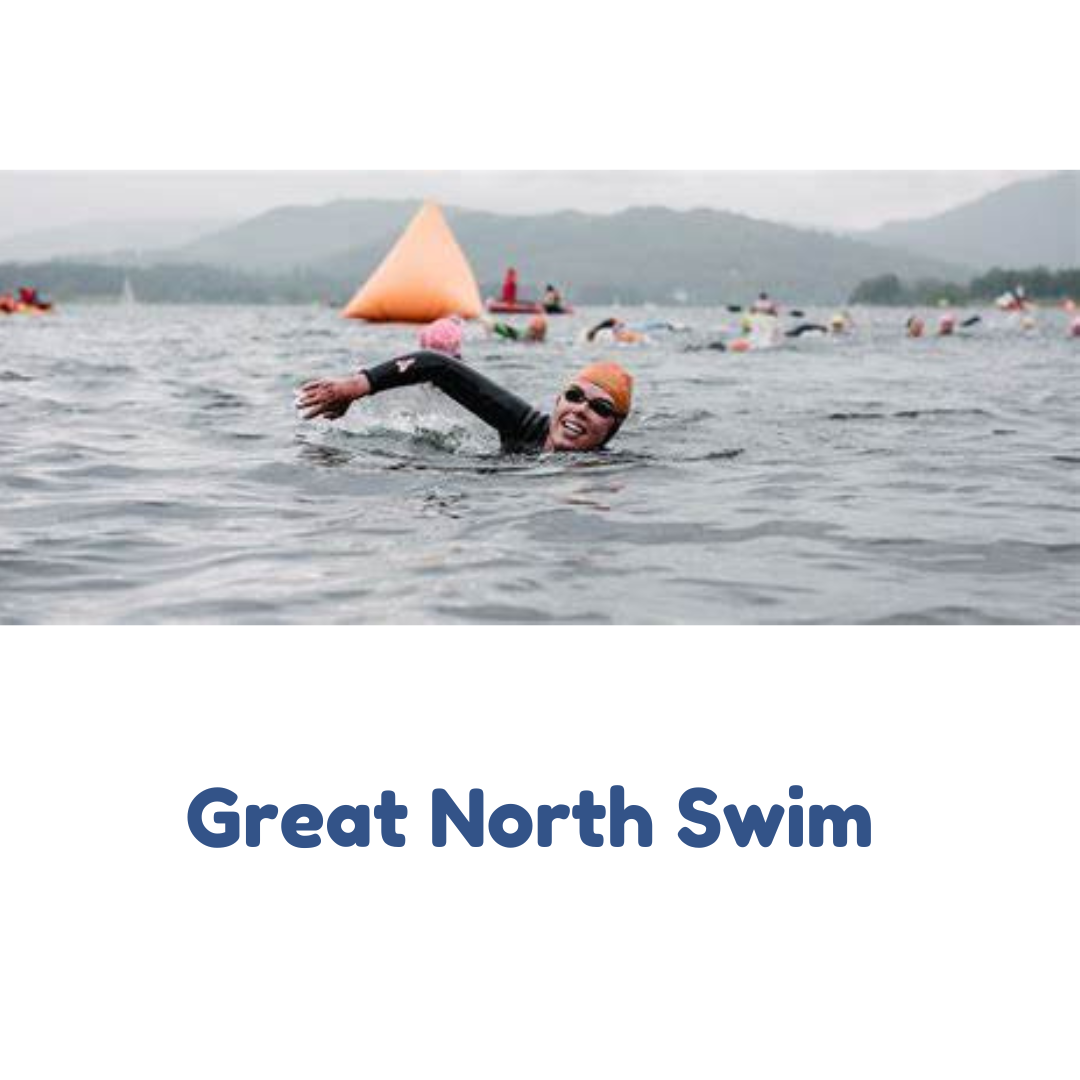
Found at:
<point>521,428</point>
<point>607,324</point>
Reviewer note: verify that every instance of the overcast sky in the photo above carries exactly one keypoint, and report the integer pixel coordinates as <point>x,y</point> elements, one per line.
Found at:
<point>39,200</point>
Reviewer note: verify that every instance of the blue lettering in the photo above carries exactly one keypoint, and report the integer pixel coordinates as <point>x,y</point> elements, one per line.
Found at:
<point>586,811</point>
<point>839,818</point>
<point>496,825</point>
<point>621,813</point>
<point>710,822</point>
<point>389,813</point>
<point>229,818</point>
<point>795,818</point>
<point>545,815</point>
<point>754,823</point>
<point>359,835</point>
<point>299,819</point>
<point>254,817</point>
<point>443,808</point>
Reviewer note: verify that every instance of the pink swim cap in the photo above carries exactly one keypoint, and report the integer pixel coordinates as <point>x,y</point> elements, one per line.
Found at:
<point>443,335</point>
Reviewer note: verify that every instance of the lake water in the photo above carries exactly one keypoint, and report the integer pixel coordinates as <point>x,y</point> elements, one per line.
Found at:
<point>152,469</point>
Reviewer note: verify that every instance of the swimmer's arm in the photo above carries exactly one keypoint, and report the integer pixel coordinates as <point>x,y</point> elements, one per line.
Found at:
<point>607,324</point>
<point>331,398</point>
<point>511,417</point>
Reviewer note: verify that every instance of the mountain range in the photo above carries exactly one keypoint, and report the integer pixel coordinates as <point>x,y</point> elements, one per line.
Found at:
<point>110,240</point>
<point>646,253</point>
<point>1029,223</point>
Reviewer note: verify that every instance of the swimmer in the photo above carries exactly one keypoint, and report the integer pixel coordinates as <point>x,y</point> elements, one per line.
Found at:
<point>619,331</point>
<point>763,331</point>
<point>552,301</point>
<point>534,333</point>
<point>915,327</point>
<point>587,415</point>
<point>1074,328</point>
<point>444,336</point>
<point>806,328</point>
<point>947,326</point>
<point>764,305</point>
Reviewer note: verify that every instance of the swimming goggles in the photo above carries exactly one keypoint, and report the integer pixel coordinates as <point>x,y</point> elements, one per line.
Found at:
<point>601,406</point>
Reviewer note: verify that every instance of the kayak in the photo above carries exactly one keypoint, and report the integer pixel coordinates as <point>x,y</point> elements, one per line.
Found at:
<point>27,309</point>
<point>524,307</point>
<point>504,307</point>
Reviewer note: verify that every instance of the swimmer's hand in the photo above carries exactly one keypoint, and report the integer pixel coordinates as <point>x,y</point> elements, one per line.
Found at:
<point>331,398</point>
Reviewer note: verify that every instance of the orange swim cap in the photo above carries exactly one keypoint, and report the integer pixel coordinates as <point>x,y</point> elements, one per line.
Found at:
<point>612,378</point>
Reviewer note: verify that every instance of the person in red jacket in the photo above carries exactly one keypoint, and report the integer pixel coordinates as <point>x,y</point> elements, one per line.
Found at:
<point>509,289</point>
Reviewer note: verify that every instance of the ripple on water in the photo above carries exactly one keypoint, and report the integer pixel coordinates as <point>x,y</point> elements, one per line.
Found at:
<point>154,470</point>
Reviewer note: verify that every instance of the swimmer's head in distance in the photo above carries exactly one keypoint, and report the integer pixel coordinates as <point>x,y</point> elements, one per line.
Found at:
<point>443,336</point>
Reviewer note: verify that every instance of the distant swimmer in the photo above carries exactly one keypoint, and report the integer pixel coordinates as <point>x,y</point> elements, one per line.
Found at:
<point>552,301</point>
<point>1014,300</point>
<point>915,327</point>
<point>533,334</point>
<point>618,331</point>
<point>947,326</point>
<point>764,305</point>
<point>587,414</point>
<point>653,326</point>
<point>762,331</point>
<point>806,328</point>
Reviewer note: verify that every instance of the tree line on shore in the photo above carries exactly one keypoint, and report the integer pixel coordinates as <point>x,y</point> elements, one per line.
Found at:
<point>1039,283</point>
<point>64,281</point>
<point>167,283</point>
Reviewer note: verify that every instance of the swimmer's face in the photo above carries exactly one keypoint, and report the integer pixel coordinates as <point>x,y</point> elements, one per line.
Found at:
<point>585,418</point>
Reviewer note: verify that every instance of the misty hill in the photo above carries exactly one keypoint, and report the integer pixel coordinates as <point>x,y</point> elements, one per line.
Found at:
<point>699,256</point>
<point>103,238</point>
<point>1029,223</point>
<point>297,237</point>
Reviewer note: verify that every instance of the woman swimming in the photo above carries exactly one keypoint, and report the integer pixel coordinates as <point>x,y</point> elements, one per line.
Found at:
<point>587,414</point>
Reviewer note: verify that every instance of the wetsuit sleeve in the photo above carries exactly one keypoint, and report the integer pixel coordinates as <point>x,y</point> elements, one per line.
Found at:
<point>607,324</point>
<point>519,425</point>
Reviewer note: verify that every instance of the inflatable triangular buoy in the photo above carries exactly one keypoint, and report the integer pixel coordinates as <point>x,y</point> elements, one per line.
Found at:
<point>425,277</point>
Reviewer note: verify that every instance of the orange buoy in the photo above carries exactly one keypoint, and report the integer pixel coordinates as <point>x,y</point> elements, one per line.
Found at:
<point>424,277</point>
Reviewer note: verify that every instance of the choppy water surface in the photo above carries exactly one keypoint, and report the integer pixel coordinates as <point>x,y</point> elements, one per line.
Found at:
<point>152,469</point>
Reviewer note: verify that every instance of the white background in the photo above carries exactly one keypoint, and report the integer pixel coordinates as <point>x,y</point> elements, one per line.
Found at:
<point>947,948</point>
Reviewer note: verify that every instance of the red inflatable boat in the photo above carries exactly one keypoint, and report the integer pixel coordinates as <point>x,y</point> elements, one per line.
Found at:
<point>524,307</point>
